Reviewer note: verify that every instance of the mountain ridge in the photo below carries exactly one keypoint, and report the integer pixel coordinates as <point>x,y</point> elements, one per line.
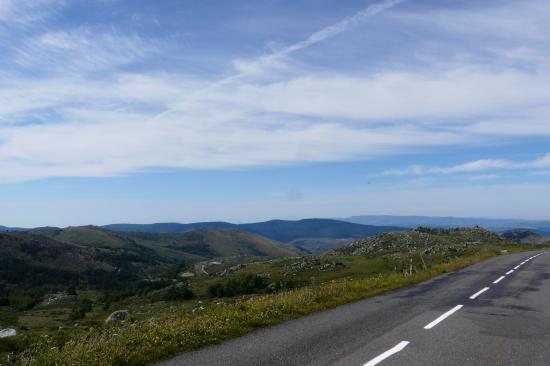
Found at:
<point>279,230</point>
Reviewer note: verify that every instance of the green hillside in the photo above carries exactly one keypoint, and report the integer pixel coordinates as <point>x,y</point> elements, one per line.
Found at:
<point>212,243</point>
<point>193,245</point>
<point>46,260</point>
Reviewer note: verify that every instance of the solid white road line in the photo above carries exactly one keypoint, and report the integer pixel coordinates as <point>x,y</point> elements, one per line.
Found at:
<point>388,353</point>
<point>443,317</point>
<point>478,293</point>
<point>499,279</point>
<point>510,271</point>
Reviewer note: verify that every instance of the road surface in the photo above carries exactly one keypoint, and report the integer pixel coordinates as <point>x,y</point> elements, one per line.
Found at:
<point>496,312</point>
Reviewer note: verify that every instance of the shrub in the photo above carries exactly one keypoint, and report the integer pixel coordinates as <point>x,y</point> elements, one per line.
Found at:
<point>80,309</point>
<point>178,293</point>
<point>242,285</point>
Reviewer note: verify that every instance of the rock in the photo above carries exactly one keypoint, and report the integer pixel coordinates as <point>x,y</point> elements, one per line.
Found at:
<point>118,316</point>
<point>332,265</point>
<point>7,332</point>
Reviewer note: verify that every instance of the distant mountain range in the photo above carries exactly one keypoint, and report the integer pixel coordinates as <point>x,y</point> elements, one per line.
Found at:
<point>541,226</point>
<point>316,234</point>
<point>279,230</point>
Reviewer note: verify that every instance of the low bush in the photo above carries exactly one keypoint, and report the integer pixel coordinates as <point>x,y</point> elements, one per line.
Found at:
<point>241,285</point>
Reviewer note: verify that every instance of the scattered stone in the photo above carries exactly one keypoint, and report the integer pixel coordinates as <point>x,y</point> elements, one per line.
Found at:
<point>59,296</point>
<point>197,310</point>
<point>117,316</point>
<point>7,332</point>
<point>332,265</point>
<point>421,240</point>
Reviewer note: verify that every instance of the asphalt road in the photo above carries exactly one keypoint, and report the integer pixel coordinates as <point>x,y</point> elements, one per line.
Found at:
<point>506,324</point>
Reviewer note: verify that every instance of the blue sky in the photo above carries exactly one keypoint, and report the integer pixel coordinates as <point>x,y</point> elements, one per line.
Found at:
<point>140,111</point>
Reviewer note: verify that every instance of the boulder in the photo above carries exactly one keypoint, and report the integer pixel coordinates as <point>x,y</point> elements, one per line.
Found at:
<point>118,316</point>
<point>7,332</point>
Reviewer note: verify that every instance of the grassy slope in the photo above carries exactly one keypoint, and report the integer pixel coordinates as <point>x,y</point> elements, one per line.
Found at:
<point>212,243</point>
<point>198,244</point>
<point>177,327</point>
<point>48,260</point>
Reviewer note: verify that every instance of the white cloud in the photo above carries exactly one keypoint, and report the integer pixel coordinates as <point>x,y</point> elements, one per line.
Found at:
<point>24,13</point>
<point>81,50</point>
<point>90,113</point>
<point>473,166</point>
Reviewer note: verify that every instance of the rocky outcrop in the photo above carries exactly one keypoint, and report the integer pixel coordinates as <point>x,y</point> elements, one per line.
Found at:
<point>421,240</point>
<point>7,332</point>
<point>117,316</point>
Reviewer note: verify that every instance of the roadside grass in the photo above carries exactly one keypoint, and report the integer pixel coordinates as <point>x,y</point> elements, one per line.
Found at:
<point>138,342</point>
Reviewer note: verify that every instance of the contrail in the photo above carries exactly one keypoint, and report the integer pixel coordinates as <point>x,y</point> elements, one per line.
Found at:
<point>342,26</point>
<point>317,37</point>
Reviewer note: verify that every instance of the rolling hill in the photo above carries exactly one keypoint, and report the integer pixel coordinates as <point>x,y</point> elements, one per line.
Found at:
<point>279,230</point>
<point>39,252</point>
<point>212,243</point>
<point>169,227</point>
<point>193,245</point>
<point>49,259</point>
<point>33,265</point>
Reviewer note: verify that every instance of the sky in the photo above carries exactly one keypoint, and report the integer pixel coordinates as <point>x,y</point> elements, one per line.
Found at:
<point>198,110</point>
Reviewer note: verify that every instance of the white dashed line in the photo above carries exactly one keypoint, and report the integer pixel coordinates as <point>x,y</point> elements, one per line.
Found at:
<point>443,317</point>
<point>499,279</point>
<point>516,267</point>
<point>388,353</point>
<point>510,271</point>
<point>478,293</point>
